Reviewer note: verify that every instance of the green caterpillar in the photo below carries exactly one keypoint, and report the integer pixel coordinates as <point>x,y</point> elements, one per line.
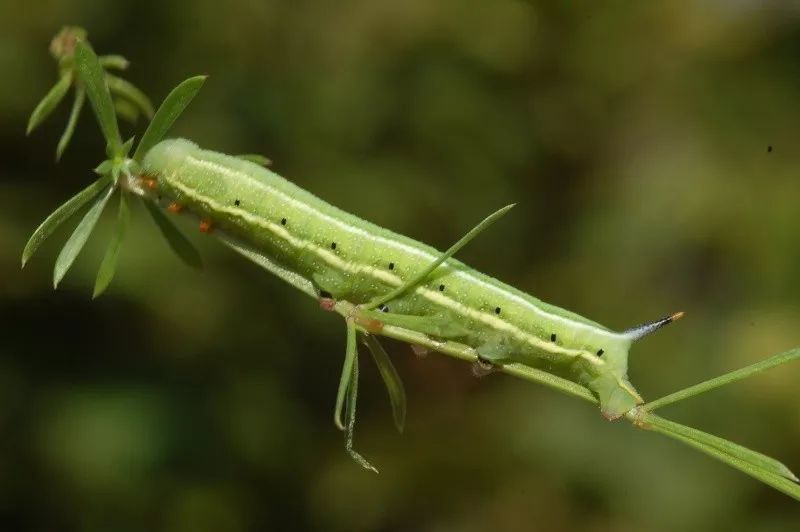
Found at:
<point>347,258</point>
<point>382,283</point>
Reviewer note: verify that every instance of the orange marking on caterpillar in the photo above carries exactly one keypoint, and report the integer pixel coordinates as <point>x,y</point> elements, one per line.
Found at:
<point>149,183</point>
<point>370,324</point>
<point>175,207</point>
<point>206,226</point>
<point>327,303</point>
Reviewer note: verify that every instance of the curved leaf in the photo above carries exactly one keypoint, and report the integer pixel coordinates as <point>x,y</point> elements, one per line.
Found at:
<point>754,458</point>
<point>128,91</point>
<point>350,420</point>
<point>767,475</point>
<point>78,238</point>
<point>116,62</point>
<point>170,109</point>
<point>394,385</point>
<point>126,110</point>
<point>109,265</point>
<point>345,380</point>
<point>77,106</point>
<point>57,217</point>
<point>49,102</point>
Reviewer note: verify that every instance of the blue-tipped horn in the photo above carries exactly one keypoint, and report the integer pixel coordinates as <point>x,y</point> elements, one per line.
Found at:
<point>643,330</point>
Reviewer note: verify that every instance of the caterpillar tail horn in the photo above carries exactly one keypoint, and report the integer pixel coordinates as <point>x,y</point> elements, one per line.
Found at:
<point>641,331</point>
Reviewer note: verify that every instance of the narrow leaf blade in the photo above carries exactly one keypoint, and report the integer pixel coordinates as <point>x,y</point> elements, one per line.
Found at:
<point>392,380</point>
<point>77,106</point>
<point>171,108</point>
<point>49,102</point>
<point>93,78</point>
<point>345,380</point>
<point>179,243</point>
<point>452,250</point>
<point>58,216</point>
<point>727,378</point>
<point>290,276</point>
<point>780,483</point>
<point>117,62</point>
<point>126,110</point>
<point>728,447</point>
<point>78,238</point>
<point>129,91</point>
<point>350,420</point>
<point>109,265</point>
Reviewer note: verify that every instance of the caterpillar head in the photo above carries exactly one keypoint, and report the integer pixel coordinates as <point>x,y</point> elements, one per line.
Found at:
<point>616,394</point>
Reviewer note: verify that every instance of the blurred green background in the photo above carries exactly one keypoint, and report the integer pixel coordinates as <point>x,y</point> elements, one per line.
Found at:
<point>635,137</point>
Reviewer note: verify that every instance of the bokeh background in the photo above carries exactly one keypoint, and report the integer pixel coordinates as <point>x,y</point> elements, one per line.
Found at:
<point>652,148</point>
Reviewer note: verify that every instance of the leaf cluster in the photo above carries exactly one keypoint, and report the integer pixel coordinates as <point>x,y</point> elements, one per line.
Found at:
<point>81,67</point>
<point>125,99</point>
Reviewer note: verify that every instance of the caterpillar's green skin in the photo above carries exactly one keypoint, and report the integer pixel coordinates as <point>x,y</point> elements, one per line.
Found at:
<point>356,261</point>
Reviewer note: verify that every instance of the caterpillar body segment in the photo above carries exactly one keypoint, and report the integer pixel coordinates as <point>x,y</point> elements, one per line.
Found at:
<point>357,261</point>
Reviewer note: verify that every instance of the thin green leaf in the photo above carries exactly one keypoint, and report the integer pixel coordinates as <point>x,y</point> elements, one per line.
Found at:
<point>352,399</point>
<point>258,257</point>
<point>171,108</point>
<point>433,325</point>
<point>392,380</point>
<point>49,102</point>
<point>77,106</point>
<point>126,110</point>
<point>104,168</point>
<point>778,482</point>
<point>127,90</point>
<point>179,243</point>
<point>421,276</point>
<point>255,158</point>
<point>93,78</point>
<point>127,145</point>
<point>58,216</point>
<point>117,62</point>
<point>78,238</point>
<point>109,265</point>
<point>727,378</point>
<point>345,379</point>
<point>739,452</point>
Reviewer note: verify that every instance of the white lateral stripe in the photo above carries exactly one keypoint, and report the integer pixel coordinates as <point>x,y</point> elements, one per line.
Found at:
<point>397,245</point>
<point>334,260</point>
